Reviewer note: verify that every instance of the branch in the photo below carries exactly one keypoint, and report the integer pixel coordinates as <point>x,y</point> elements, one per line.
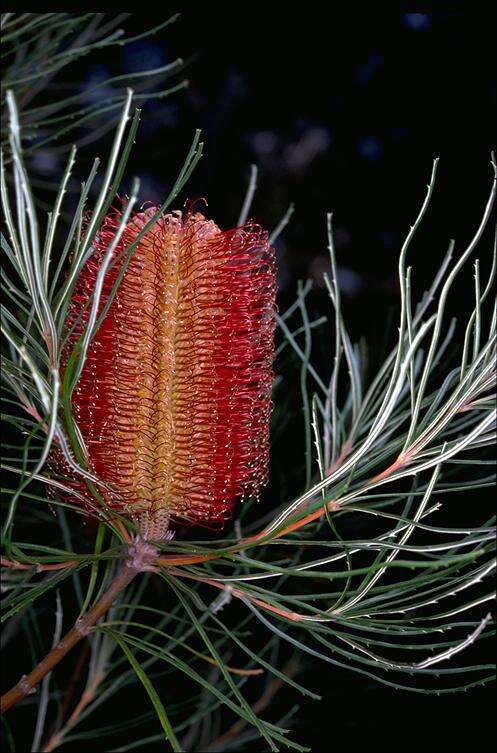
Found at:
<point>4,562</point>
<point>141,555</point>
<point>290,670</point>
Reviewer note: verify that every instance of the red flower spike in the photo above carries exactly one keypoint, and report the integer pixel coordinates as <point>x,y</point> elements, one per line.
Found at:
<point>174,399</point>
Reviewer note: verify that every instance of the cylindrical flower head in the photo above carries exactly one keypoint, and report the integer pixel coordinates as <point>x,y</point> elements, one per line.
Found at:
<point>174,399</point>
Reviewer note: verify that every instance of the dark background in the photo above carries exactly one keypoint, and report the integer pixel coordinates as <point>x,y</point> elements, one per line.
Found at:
<point>343,113</point>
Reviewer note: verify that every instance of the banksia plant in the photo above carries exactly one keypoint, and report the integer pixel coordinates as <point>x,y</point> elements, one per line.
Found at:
<point>174,398</point>
<point>140,373</point>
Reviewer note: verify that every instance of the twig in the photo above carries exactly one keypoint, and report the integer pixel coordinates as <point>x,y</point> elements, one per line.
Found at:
<point>247,203</point>
<point>4,562</point>
<point>237,593</point>
<point>71,688</point>
<point>87,696</point>
<point>281,224</point>
<point>42,708</point>
<point>290,670</point>
<point>141,558</point>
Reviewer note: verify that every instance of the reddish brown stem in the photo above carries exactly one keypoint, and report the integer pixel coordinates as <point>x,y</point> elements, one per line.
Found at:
<point>399,463</point>
<point>88,695</point>
<point>241,595</point>
<point>71,688</point>
<point>39,567</point>
<point>346,450</point>
<point>332,506</point>
<point>290,670</point>
<point>141,557</point>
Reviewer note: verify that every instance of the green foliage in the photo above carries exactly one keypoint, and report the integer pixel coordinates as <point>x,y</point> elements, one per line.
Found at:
<point>360,571</point>
<point>37,47</point>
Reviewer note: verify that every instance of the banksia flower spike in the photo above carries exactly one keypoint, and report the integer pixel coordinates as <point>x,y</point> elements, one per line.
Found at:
<point>174,399</point>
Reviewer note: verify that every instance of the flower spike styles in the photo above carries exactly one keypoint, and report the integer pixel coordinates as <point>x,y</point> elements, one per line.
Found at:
<point>174,399</point>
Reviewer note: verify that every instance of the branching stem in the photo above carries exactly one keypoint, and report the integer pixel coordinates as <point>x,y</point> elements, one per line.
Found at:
<point>141,555</point>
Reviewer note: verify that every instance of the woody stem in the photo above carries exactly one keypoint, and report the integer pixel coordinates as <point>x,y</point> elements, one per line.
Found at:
<point>141,556</point>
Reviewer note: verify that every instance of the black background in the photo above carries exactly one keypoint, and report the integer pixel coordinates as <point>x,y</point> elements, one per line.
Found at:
<point>342,112</point>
